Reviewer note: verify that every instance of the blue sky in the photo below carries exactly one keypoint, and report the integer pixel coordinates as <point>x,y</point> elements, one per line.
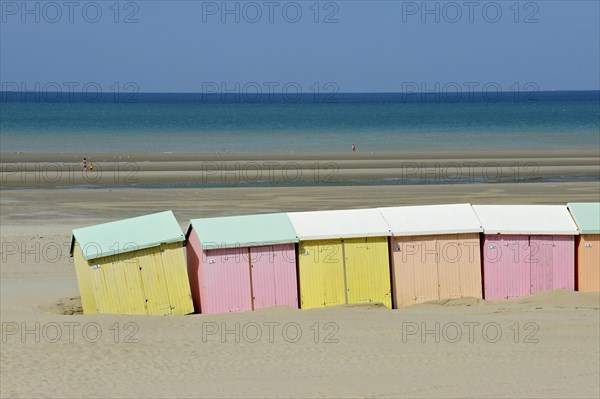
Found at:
<point>358,46</point>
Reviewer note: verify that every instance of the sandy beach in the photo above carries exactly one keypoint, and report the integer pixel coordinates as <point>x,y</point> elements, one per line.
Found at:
<point>547,345</point>
<point>39,170</point>
<point>167,112</point>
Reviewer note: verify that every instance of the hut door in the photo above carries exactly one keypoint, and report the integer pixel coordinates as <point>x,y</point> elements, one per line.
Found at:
<point>506,275</point>
<point>101,292</point>
<point>470,265</point>
<point>118,285</point>
<point>154,282</point>
<point>262,267</point>
<point>425,255</point>
<point>273,271</point>
<point>332,263</point>
<point>321,273</point>
<point>226,281</point>
<point>176,280</point>
<point>415,270</point>
<point>449,266</point>
<point>494,274</point>
<point>403,269</point>
<point>516,250</point>
<point>237,284</point>
<point>588,253</point>
<point>541,262</point>
<point>135,290</point>
<point>367,270</point>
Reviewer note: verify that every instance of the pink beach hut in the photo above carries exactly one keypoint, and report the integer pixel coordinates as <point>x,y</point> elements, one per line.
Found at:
<point>526,249</point>
<point>242,263</point>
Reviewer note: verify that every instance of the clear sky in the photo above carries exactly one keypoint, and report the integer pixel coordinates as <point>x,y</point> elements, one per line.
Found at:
<point>358,46</point>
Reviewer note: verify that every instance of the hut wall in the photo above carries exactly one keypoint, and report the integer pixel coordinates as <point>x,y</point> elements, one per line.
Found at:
<point>434,267</point>
<point>520,265</point>
<point>150,281</point>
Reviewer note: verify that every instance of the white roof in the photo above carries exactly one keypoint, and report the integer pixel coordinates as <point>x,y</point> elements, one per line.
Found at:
<point>431,219</point>
<point>525,219</point>
<point>350,223</point>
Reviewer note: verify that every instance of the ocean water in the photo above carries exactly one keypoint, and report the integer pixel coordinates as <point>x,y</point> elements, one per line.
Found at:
<point>233,123</point>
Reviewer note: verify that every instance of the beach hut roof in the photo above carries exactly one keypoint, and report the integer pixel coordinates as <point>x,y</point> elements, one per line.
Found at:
<point>586,215</point>
<point>243,231</point>
<point>127,235</point>
<point>431,219</point>
<point>525,219</point>
<point>350,223</point>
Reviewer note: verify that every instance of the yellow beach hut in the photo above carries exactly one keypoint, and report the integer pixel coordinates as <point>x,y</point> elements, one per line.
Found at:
<point>342,257</point>
<point>133,266</point>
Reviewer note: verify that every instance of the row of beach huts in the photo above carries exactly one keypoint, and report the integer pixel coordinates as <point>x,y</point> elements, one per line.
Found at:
<point>398,256</point>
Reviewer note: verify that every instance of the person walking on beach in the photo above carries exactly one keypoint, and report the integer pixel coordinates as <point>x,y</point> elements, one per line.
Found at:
<point>84,164</point>
<point>353,147</point>
<point>91,167</point>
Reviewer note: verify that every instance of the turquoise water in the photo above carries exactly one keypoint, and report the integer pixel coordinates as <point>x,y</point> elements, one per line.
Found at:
<point>374,122</point>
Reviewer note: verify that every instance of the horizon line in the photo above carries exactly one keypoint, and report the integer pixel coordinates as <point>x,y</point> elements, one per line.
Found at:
<point>301,92</point>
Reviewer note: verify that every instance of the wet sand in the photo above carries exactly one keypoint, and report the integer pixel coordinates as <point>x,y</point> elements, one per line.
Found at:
<point>58,170</point>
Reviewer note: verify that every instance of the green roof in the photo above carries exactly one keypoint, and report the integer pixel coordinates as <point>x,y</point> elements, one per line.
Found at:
<point>127,235</point>
<point>587,216</point>
<point>244,231</point>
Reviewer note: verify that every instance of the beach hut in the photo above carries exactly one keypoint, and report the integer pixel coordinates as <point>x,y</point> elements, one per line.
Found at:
<point>133,266</point>
<point>342,257</point>
<point>526,249</point>
<point>242,263</point>
<point>587,261</point>
<point>435,252</point>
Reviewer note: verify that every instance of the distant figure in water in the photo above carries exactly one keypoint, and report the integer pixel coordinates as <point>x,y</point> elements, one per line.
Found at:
<point>353,147</point>
<point>84,162</point>
<point>91,167</point>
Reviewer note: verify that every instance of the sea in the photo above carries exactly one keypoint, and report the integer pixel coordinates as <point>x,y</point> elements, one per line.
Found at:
<point>238,122</point>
